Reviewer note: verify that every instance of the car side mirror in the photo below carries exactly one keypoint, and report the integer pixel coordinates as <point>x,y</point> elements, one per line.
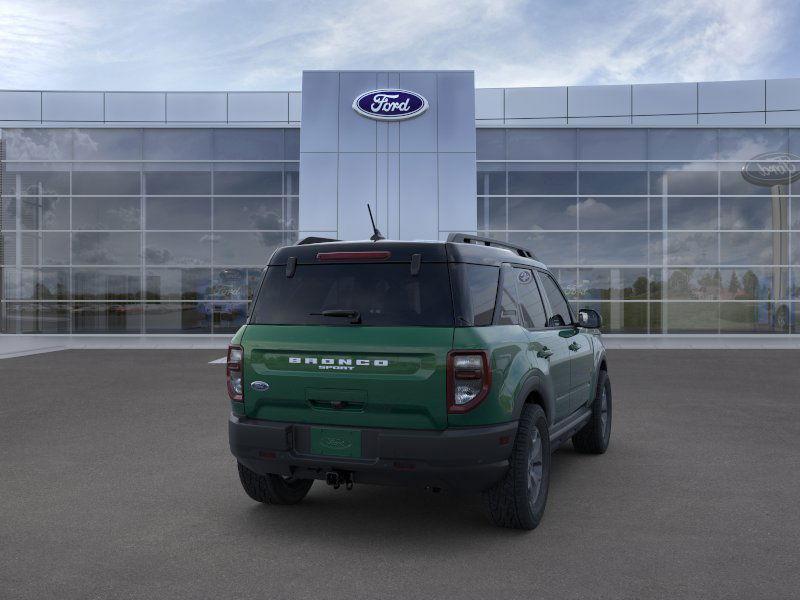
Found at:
<point>590,319</point>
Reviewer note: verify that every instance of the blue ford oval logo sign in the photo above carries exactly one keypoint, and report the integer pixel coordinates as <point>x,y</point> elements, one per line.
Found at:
<point>390,105</point>
<point>772,168</point>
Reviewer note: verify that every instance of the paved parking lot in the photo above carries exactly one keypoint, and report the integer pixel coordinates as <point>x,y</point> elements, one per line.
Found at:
<point>116,482</point>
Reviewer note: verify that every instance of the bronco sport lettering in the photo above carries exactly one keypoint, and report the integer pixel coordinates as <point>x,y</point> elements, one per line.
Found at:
<point>490,370</point>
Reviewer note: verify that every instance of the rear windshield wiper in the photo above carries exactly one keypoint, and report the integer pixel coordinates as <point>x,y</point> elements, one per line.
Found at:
<point>353,315</point>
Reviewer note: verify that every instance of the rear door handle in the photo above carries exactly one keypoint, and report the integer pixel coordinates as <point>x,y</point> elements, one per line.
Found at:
<point>545,352</point>
<point>574,346</point>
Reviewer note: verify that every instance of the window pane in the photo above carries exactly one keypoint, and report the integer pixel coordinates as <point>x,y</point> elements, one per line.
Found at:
<point>248,144</point>
<point>690,317</point>
<point>249,182</point>
<point>621,317</point>
<point>754,213</point>
<point>178,183</point>
<point>36,284</point>
<point>8,213</point>
<point>746,144</point>
<point>692,248</point>
<point>490,144</point>
<point>683,183</point>
<point>49,248</point>
<point>733,182</point>
<point>613,248</point>
<point>612,213</point>
<point>608,144</point>
<point>178,284</point>
<point>693,284</point>
<point>692,213</point>
<point>105,248</point>
<point>105,213</point>
<point>45,212</point>
<point>35,183</point>
<point>749,248</point>
<point>523,181</point>
<point>530,300</point>
<point>34,317</point>
<point>613,284</point>
<point>747,317</point>
<point>542,213</point>
<point>613,182</point>
<point>541,144</point>
<point>229,317</point>
<point>491,179</point>
<point>118,183</point>
<point>107,144</point>
<point>550,248</point>
<point>38,144</point>
<point>106,284</point>
<point>178,248</point>
<point>248,213</point>
<point>508,313</point>
<point>567,278</point>
<point>174,212</point>
<point>559,308</point>
<point>105,317</point>
<point>178,144</point>
<point>474,293</point>
<point>291,144</point>
<point>682,144</point>
<point>291,179</point>
<point>245,248</point>
<point>235,284</point>
<point>491,213</point>
<point>176,317</point>
<point>754,283</point>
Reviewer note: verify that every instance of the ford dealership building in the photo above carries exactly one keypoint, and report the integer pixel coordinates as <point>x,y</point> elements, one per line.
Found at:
<point>669,208</point>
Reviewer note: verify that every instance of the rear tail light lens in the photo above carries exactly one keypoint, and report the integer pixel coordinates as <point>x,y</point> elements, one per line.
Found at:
<point>234,372</point>
<point>468,379</point>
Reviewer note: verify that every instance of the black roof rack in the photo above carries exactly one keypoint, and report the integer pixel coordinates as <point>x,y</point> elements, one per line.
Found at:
<point>315,240</point>
<point>466,238</point>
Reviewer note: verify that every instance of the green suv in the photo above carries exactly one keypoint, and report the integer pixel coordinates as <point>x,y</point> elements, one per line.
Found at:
<point>446,365</point>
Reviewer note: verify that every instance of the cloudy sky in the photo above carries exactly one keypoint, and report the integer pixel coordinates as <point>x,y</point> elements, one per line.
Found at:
<point>252,45</point>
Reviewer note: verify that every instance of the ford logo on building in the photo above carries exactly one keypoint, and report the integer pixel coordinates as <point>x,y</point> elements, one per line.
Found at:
<point>772,168</point>
<point>390,105</point>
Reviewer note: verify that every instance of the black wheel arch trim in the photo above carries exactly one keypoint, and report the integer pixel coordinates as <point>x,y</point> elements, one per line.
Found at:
<point>535,382</point>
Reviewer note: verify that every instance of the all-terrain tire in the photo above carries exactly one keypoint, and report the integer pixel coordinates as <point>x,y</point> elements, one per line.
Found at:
<point>595,435</point>
<point>518,501</point>
<point>273,489</point>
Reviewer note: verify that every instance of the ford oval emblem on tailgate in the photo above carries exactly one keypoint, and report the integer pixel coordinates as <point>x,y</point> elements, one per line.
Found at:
<point>259,386</point>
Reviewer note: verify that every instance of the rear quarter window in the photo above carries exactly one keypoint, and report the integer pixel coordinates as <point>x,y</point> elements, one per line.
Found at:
<point>384,294</point>
<point>474,293</point>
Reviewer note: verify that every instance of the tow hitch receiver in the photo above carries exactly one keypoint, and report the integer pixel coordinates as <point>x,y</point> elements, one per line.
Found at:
<point>338,478</point>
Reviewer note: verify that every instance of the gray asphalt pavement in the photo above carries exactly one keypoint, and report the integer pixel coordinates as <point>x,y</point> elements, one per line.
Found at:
<point>116,482</point>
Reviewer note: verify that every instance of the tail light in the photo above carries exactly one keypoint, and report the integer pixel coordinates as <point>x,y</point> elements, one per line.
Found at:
<point>468,379</point>
<point>234,372</point>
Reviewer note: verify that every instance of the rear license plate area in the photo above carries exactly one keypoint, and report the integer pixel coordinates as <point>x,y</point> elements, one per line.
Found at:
<point>328,441</point>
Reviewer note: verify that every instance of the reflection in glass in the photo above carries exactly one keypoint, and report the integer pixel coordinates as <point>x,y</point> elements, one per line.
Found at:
<point>690,317</point>
<point>178,248</point>
<point>38,144</point>
<point>177,183</point>
<point>747,317</point>
<point>613,249</point>
<point>36,284</point>
<point>178,284</point>
<point>44,212</point>
<point>107,317</point>
<point>491,144</point>
<point>105,213</point>
<point>620,317</point>
<point>692,213</point>
<point>245,248</point>
<point>522,181</point>
<point>45,248</point>
<point>682,144</point>
<point>755,283</point>
<point>754,213</point>
<point>250,182</point>
<point>744,144</point>
<point>693,284</point>
<point>541,213</point>
<point>674,180</point>
<point>613,284</point>
<point>612,144</point>
<point>106,284</point>
<point>248,144</point>
<point>235,284</point>
<point>613,182</point>
<point>612,213</point>
<point>550,248</point>
<point>492,213</point>
<point>755,248</point>
<point>178,144</point>
<point>248,213</point>
<point>36,183</point>
<point>491,179</point>
<point>541,144</point>
<point>104,248</point>
<point>173,212</point>
<point>117,183</point>
<point>229,317</point>
<point>107,144</point>
<point>692,248</point>
<point>178,317</point>
<point>36,317</point>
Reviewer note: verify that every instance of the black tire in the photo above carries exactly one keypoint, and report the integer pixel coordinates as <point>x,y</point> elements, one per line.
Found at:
<point>595,435</point>
<point>518,500</point>
<point>273,489</point>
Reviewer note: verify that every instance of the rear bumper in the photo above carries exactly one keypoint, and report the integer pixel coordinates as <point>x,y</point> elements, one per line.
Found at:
<point>470,459</point>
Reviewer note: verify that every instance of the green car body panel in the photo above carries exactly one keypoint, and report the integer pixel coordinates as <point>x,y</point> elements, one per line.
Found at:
<point>391,386</point>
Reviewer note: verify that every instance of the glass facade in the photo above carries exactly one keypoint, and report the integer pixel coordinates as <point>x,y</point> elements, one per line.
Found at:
<point>141,230</point>
<point>656,229</point>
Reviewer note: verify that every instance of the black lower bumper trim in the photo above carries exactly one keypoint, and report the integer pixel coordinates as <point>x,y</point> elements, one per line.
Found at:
<point>472,458</point>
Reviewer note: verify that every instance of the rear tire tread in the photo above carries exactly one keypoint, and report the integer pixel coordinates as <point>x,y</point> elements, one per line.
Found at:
<point>272,489</point>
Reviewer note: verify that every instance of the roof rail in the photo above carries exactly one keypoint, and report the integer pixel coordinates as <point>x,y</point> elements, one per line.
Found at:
<point>466,238</point>
<point>315,240</point>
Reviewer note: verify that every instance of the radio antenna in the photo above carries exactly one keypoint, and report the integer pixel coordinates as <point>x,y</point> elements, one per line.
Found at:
<point>376,235</point>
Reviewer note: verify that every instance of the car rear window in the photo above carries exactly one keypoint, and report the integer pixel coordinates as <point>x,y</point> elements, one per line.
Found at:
<point>383,294</point>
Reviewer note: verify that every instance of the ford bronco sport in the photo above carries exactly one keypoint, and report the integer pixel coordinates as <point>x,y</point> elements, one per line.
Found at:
<point>456,365</point>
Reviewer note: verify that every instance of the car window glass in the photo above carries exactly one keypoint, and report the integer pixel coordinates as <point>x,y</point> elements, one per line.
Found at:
<point>507,304</point>
<point>560,315</point>
<point>530,301</point>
